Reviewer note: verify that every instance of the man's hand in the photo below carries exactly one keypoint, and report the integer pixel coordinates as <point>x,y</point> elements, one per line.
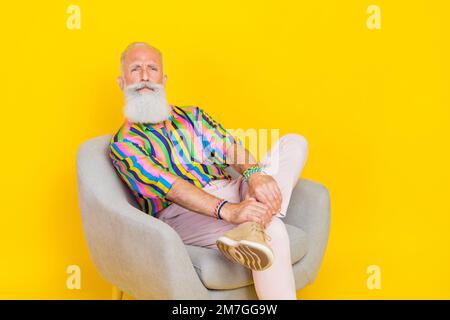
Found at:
<point>265,189</point>
<point>262,187</point>
<point>247,210</point>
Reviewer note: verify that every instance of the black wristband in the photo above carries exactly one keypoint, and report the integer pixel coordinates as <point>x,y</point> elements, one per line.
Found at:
<point>220,207</point>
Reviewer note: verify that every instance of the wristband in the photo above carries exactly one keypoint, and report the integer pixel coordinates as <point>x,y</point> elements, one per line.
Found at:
<point>249,171</point>
<point>218,207</point>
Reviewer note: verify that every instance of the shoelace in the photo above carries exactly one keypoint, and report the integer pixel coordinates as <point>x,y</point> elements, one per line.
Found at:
<point>258,228</point>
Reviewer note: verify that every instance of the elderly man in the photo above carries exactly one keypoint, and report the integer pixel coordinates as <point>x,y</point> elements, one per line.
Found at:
<point>173,159</point>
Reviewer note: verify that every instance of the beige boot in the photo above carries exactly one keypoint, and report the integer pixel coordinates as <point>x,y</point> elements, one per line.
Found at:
<point>247,245</point>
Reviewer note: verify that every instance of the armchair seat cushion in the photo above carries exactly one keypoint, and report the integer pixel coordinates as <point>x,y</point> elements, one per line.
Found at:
<point>217,272</point>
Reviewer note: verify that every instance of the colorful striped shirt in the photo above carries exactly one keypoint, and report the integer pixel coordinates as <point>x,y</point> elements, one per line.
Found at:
<point>190,145</point>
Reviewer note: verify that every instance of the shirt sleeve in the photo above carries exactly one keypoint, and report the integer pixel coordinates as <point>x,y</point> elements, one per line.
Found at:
<point>141,172</point>
<point>216,139</point>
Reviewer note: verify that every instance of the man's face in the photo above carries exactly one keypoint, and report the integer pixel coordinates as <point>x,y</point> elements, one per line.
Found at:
<point>143,84</point>
<point>140,64</point>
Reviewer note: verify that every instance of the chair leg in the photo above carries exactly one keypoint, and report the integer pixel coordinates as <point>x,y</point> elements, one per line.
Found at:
<point>117,294</point>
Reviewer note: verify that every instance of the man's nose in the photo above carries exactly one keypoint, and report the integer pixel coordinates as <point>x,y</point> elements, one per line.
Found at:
<point>144,75</point>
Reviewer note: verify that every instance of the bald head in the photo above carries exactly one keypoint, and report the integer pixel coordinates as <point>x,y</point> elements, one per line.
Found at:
<point>141,62</point>
<point>137,45</point>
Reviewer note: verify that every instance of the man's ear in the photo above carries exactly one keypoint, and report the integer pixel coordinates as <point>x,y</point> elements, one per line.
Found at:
<point>121,82</point>
<point>164,79</point>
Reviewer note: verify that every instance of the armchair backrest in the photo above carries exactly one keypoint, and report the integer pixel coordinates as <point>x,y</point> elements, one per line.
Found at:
<point>96,174</point>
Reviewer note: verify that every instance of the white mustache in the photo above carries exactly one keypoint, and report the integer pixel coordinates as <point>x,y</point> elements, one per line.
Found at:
<point>144,84</point>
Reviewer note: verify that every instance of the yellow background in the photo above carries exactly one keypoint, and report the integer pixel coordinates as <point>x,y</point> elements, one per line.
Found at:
<point>373,104</point>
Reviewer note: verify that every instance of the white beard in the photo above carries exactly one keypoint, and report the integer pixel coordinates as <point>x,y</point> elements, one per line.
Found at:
<point>146,107</point>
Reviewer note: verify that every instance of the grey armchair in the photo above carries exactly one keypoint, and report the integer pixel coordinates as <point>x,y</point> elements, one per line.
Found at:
<point>144,257</point>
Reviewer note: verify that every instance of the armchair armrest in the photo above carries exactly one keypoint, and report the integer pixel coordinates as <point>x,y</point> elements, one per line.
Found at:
<point>309,209</point>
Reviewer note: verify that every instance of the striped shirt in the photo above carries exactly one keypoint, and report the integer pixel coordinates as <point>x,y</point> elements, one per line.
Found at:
<point>190,145</point>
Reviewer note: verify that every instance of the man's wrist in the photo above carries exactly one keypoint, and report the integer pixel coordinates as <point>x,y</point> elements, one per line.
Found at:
<point>253,176</point>
<point>251,171</point>
<point>226,211</point>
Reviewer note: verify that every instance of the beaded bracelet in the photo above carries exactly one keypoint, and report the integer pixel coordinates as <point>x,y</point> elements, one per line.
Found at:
<point>249,171</point>
<point>218,207</point>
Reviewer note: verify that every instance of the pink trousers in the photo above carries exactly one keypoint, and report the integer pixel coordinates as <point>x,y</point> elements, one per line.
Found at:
<point>284,161</point>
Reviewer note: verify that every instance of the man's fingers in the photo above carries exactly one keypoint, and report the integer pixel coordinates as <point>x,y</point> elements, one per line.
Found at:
<point>266,216</point>
<point>277,195</point>
<point>275,190</point>
<point>262,215</point>
<point>261,205</point>
<point>255,218</point>
<point>271,195</point>
<point>269,199</point>
<point>279,192</point>
<point>259,211</point>
<point>267,220</point>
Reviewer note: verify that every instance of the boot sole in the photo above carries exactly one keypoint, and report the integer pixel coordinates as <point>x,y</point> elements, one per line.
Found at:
<point>249,254</point>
